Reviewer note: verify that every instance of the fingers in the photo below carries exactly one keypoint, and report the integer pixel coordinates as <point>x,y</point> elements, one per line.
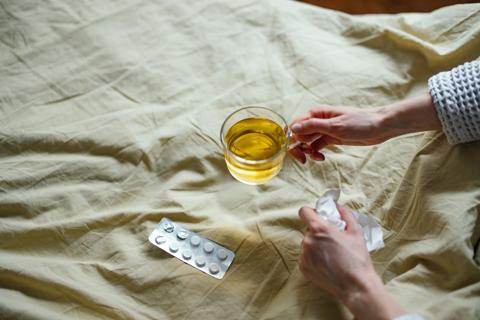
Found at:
<point>311,126</point>
<point>313,150</point>
<point>322,111</point>
<point>325,111</point>
<point>317,156</point>
<point>306,148</point>
<point>311,130</point>
<point>316,225</point>
<point>298,154</point>
<point>310,218</point>
<point>347,216</point>
<point>319,144</point>
<point>316,120</point>
<point>301,118</point>
<point>308,138</point>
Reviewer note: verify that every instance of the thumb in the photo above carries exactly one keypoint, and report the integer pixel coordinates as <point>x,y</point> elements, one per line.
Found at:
<point>348,217</point>
<point>310,218</point>
<point>310,126</point>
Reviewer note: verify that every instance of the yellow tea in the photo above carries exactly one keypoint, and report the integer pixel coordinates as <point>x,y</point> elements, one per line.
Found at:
<point>257,149</point>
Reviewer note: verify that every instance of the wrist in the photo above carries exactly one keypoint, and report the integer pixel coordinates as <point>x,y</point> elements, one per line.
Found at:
<point>361,291</point>
<point>408,116</point>
<point>392,120</point>
<point>371,300</point>
<point>387,122</point>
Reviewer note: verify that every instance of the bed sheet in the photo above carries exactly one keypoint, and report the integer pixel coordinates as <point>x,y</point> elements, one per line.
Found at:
<point>110,113</point>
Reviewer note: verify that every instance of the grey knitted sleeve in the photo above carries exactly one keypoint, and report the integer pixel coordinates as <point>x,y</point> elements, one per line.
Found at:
<point>456,96</point>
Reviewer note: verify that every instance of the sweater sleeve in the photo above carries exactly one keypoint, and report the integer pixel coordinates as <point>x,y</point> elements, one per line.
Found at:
<point>456,96</point>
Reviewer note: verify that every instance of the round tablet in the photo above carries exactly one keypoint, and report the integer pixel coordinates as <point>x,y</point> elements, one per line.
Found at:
<point>187,254</point>
<point>173,247</point>
<point>182,235</point>
<point>208,247</point>
<point>195,241</point>
<point>213,268</point>
<point>200,261</point>
<point>160,239</point>
<point>222,254</point>
<point>168,226</point>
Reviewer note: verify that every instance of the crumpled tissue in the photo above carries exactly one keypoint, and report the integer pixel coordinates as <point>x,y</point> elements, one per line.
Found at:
<point>326,208</point>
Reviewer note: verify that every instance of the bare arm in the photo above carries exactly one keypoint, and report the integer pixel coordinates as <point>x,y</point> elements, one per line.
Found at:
<point>411,115</point>
<point>452,105</point>
<point>325,125</point>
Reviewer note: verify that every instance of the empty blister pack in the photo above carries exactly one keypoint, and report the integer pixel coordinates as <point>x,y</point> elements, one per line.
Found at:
<point>193,249</point>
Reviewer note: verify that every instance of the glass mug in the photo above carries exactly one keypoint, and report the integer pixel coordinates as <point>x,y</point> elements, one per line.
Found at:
<point>255,141</point>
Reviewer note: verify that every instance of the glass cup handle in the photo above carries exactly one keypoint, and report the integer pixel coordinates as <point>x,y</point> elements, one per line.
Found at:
<point>291,142</point>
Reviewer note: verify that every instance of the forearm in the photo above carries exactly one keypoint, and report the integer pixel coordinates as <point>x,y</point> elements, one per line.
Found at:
<point>453,105</point>
<point>410,115</point>
<point>372,301</point>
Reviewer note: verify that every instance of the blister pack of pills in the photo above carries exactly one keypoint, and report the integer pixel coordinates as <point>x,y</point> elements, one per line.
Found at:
<point>193,249</point>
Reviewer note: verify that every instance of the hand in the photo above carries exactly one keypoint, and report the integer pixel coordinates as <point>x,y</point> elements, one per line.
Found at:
<point>326,125</point>
<point>338,262</point>
<point>334,260</point>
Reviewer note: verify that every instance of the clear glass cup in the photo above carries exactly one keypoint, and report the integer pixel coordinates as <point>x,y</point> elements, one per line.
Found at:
<point>255,141</point>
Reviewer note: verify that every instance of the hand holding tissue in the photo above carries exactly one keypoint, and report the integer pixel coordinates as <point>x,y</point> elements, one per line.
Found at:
<point>326,208</point>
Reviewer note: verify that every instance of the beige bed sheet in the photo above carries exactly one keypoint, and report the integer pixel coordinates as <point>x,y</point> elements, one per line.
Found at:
<point>110,113</point>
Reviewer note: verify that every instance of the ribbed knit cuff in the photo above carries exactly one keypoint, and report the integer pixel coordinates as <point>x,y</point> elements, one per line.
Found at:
<point>456,95</point>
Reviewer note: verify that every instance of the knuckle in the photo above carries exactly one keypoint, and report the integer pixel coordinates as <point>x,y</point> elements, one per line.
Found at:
<point>336,125</point>
<point>358,231</point>
<point>319,108</point>
<point>354,226</point>
<point>309,125</point>
<point>307,242</point>
<point>324,233</point>
<point>316,227</point>
<point>310,243</point>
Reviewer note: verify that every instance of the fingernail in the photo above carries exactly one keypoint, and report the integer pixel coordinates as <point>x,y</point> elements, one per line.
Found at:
<point>296,126</point>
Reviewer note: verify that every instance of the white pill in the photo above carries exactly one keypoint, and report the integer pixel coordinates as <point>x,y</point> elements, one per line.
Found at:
<point>168,226</point>
<point>213,268</point>
<point>173,247</point>
<point>160,239</point>
<point>187,254</point>
<point>195,241</point>
<point>182,234</point>
<point>208,247</point>
<point>200,261</point>
<point>222,254</point>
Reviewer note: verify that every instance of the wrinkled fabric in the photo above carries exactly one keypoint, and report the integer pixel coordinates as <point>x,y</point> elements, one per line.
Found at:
<point>110,113</point>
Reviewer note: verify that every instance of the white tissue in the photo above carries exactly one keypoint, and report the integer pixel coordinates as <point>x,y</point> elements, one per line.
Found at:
<point>372,231</point>
<point>327,209</point>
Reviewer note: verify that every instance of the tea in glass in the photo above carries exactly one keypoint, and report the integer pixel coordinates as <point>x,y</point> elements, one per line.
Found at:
<point>255,141</point>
